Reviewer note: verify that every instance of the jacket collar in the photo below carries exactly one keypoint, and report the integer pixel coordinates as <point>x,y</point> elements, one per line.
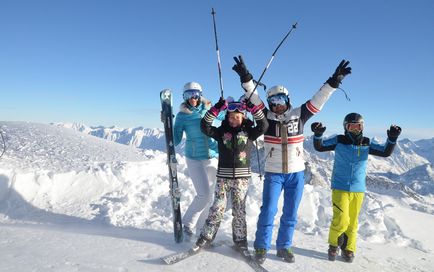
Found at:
<point>187,109</point>
<point>284,117</point>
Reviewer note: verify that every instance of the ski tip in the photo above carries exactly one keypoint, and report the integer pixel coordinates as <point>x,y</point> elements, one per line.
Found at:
<point>165,260</point>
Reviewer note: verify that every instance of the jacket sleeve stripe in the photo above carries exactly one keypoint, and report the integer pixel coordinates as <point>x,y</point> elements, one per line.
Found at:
<point>311,107</point>
<point>209,117</point>
<point>259,115</point>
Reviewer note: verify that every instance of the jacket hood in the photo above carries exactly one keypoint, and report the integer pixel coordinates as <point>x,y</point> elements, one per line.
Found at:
<point>186,108</point>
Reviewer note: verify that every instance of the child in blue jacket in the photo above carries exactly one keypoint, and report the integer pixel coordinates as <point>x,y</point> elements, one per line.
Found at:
<point>348,179</point>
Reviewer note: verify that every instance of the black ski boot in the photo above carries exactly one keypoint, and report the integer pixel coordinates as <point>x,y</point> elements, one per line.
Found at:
<point>286,254</point>
<point>188,233</point>
<point>260,255</point>
<point>333,252</point>
<point>342,241</point>
<point>348,256</point>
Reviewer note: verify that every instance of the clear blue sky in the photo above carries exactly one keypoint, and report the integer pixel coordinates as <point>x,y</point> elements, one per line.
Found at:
<point>104,62</point>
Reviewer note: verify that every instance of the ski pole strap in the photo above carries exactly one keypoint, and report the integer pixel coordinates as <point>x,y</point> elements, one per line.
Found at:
<point>260,84</point>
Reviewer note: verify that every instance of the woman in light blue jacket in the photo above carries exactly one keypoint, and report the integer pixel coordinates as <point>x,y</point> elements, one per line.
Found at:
<point>200,151</point>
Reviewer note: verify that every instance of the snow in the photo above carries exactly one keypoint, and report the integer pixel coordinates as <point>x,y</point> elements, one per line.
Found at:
<point>70,201</point>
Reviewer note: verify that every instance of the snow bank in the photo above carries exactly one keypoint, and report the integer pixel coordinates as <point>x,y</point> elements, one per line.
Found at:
<point>57,176</point>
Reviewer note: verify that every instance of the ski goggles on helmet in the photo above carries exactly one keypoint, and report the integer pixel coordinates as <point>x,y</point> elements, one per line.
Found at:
<point>236,106</point>
<point>191,94</point>
<point>354,127</point>
<point>278,99</point>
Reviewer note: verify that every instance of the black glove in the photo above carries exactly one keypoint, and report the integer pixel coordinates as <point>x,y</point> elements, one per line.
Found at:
<point>220,104</point>
<point>241,70</point>
<point>341,71</point>
<point>317,128</point>
<point>393,132</point>
<point>218,107</point>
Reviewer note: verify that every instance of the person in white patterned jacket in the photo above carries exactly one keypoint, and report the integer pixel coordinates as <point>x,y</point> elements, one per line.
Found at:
<point>284,166</point>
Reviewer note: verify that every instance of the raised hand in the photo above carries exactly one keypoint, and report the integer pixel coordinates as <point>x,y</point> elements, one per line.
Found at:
<point>317,128</point>
<point>341,71</point>
<point>241,69</point>
<point>394,131</point>
<point>219,106</point>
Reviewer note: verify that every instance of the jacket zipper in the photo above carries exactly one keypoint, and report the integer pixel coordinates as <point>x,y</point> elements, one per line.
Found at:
<point>233,155</point>
<point>284,138</point>
<point>207,146</point>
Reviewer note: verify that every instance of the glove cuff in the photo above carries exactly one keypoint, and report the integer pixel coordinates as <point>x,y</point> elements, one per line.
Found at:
<point>333,82</point>
<point>392,139</point>
<point>255,108</point>
<point>214,111</point>
<point>246,78</point>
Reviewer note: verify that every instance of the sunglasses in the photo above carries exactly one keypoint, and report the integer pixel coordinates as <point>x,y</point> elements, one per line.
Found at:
<point>191,94</point>
<point>236,106</point>
<point>278,99</point>
<point>354,127</point>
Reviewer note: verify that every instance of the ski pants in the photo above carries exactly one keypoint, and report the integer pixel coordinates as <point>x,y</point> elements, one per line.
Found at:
<point>346,208</point>
<point>292,185</point>
<point>237,190</point>
<point>202,174</point>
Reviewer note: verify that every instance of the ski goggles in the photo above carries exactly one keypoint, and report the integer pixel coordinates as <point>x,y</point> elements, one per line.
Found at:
<point>278,99</point>
<point>191,94</point>
<point>236,106</point>
<point>354,127</point>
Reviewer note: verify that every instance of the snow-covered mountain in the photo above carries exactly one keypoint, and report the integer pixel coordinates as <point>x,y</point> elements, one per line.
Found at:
<point>73,202</point>
<point>406,156</point>
<point>144,138</point>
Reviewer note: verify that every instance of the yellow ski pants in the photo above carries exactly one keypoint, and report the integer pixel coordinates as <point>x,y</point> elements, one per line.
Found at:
<point>346,208</point>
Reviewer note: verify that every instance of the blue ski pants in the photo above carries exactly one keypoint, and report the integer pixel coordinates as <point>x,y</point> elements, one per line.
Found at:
<point>292,185</point>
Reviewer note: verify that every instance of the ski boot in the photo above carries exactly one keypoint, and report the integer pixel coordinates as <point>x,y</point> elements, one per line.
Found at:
<point>188,233</point>
<point>333,252</point>
<point>348,256</point>
<point>286,254</point>
<point>260,255</point>
<point>342,241</point>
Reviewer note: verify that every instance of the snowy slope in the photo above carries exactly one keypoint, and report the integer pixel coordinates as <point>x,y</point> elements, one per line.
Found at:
<point>73,202</point>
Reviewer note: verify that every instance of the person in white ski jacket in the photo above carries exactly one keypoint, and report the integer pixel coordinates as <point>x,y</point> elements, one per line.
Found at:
<point>284,166</point>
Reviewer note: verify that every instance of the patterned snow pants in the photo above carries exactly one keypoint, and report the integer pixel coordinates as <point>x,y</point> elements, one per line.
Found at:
<point>237,190</point>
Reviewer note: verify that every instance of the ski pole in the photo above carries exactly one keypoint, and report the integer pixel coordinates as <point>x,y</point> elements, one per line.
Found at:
<point>259,162</point>
<point>4,144</point>
<point>218,53</point>
<point>272,58</point>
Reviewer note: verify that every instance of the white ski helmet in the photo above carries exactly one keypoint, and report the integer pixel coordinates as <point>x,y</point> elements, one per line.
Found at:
<point>192,86</point>
<point>275,90</point>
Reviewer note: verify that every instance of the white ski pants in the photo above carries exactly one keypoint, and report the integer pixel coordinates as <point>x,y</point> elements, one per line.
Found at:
<point>203,175</point>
